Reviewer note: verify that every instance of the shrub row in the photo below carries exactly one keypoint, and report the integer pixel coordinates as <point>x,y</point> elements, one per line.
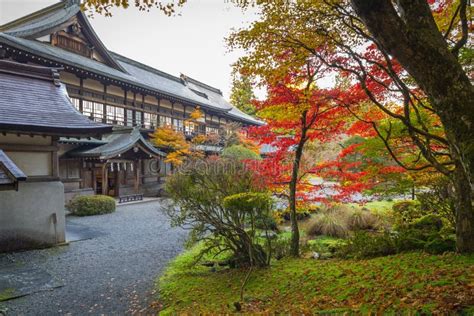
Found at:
<point>91,205</point>
<point>425,233</point>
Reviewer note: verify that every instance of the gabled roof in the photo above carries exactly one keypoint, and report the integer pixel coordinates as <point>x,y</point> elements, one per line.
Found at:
<point>10,174</point>
<point>119,142</point>
<point>216,97</point>
<point>56,17</point>
<point>32,99</point>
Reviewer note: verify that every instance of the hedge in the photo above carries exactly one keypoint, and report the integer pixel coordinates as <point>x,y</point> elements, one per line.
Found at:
<point>91,205</point>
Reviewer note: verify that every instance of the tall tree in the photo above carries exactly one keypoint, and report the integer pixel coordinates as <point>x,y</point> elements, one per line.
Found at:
<point>242,94</point>
<point>296,112</point>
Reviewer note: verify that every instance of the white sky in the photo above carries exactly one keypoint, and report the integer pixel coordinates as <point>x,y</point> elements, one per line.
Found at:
<point>192,43</point>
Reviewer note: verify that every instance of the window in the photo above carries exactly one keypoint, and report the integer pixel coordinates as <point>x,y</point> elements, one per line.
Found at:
<point>115,115</point>
<point>165,121</point>
<point>138,118</point>
<point>88,108</point>
<point>75,102</point>
<point>98,112</point>
<point>190,128</point>
<point>211,130</point>
<point>149,120</point>
<point>178,125</point>
<point>120,115</point>
<point>129,118</point>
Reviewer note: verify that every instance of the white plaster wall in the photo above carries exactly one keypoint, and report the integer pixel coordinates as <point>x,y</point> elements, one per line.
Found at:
<point>26,216</point>
<point>93,85</point>
<point>115,91</point>
<point>151,100</point>
<point>165,103</point>
<point>32,163</point>
<point>70,78</point>
<point>178,107</point>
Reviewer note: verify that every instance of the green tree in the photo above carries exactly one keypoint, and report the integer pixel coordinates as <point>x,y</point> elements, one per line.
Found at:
<point>242,94</point>
<point>239,152</point>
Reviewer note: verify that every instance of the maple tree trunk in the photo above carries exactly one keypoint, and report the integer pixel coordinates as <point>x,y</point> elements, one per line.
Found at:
<point>464,213</point>
<point>295,233</point>
<point>410,35</point>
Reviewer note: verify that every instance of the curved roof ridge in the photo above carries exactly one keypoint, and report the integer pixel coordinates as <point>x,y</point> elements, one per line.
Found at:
<point>145,67</point>
<point>37,23</point>
<point>33,15</point>
<point>118,142</point>
<point>201,84</point>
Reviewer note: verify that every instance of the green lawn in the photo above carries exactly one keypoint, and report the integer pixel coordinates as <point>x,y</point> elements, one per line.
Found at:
<point>407,282</point>
<point>376,206</point>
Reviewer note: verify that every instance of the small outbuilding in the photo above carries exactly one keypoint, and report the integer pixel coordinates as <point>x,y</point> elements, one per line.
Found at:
<point>35,111</point>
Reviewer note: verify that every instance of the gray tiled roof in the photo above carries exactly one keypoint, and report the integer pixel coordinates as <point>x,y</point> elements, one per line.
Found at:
<point>215,95</point>
<point>164,83</point>
<point>9,172</point>
<point>32,100</point>
<point>117,143</point>
<point>44,22</point>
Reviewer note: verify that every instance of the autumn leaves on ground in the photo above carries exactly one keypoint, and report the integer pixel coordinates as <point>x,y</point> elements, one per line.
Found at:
<point>405,283</point>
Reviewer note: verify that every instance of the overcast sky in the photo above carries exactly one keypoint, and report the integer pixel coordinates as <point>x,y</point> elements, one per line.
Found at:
<point>192,43</point>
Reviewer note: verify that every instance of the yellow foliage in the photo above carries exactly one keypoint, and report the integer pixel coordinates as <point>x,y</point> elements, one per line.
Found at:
<point>196,114</point>
<point>249,144</point>
<point>199,139</point>
<point>168,138</point>
<point>175,142</point>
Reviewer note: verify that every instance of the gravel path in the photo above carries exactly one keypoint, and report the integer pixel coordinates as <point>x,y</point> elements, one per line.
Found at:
<point>111,274</point>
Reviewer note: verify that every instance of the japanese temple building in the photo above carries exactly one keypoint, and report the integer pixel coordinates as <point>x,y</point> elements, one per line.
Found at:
<point>131,98</point>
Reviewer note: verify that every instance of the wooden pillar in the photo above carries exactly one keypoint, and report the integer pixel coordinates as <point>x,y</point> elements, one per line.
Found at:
<point>81,174</point>
<point>94,177</point>
<point>81,94</point>
<point>105,179</point>
<point>117,180</point>
<point>137,176</point>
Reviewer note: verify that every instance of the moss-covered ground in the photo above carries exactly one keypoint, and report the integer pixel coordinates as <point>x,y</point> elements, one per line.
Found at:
<point>415,283</point>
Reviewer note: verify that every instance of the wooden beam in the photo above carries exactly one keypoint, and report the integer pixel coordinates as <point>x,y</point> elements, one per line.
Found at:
<point>21,147</point>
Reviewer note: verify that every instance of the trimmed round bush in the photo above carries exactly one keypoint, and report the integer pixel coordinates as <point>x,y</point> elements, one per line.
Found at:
<point>91,205</point>
<point>428,223</point>
<point>239,152</point>
<point>405,212</point>
<point>438,246</point>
